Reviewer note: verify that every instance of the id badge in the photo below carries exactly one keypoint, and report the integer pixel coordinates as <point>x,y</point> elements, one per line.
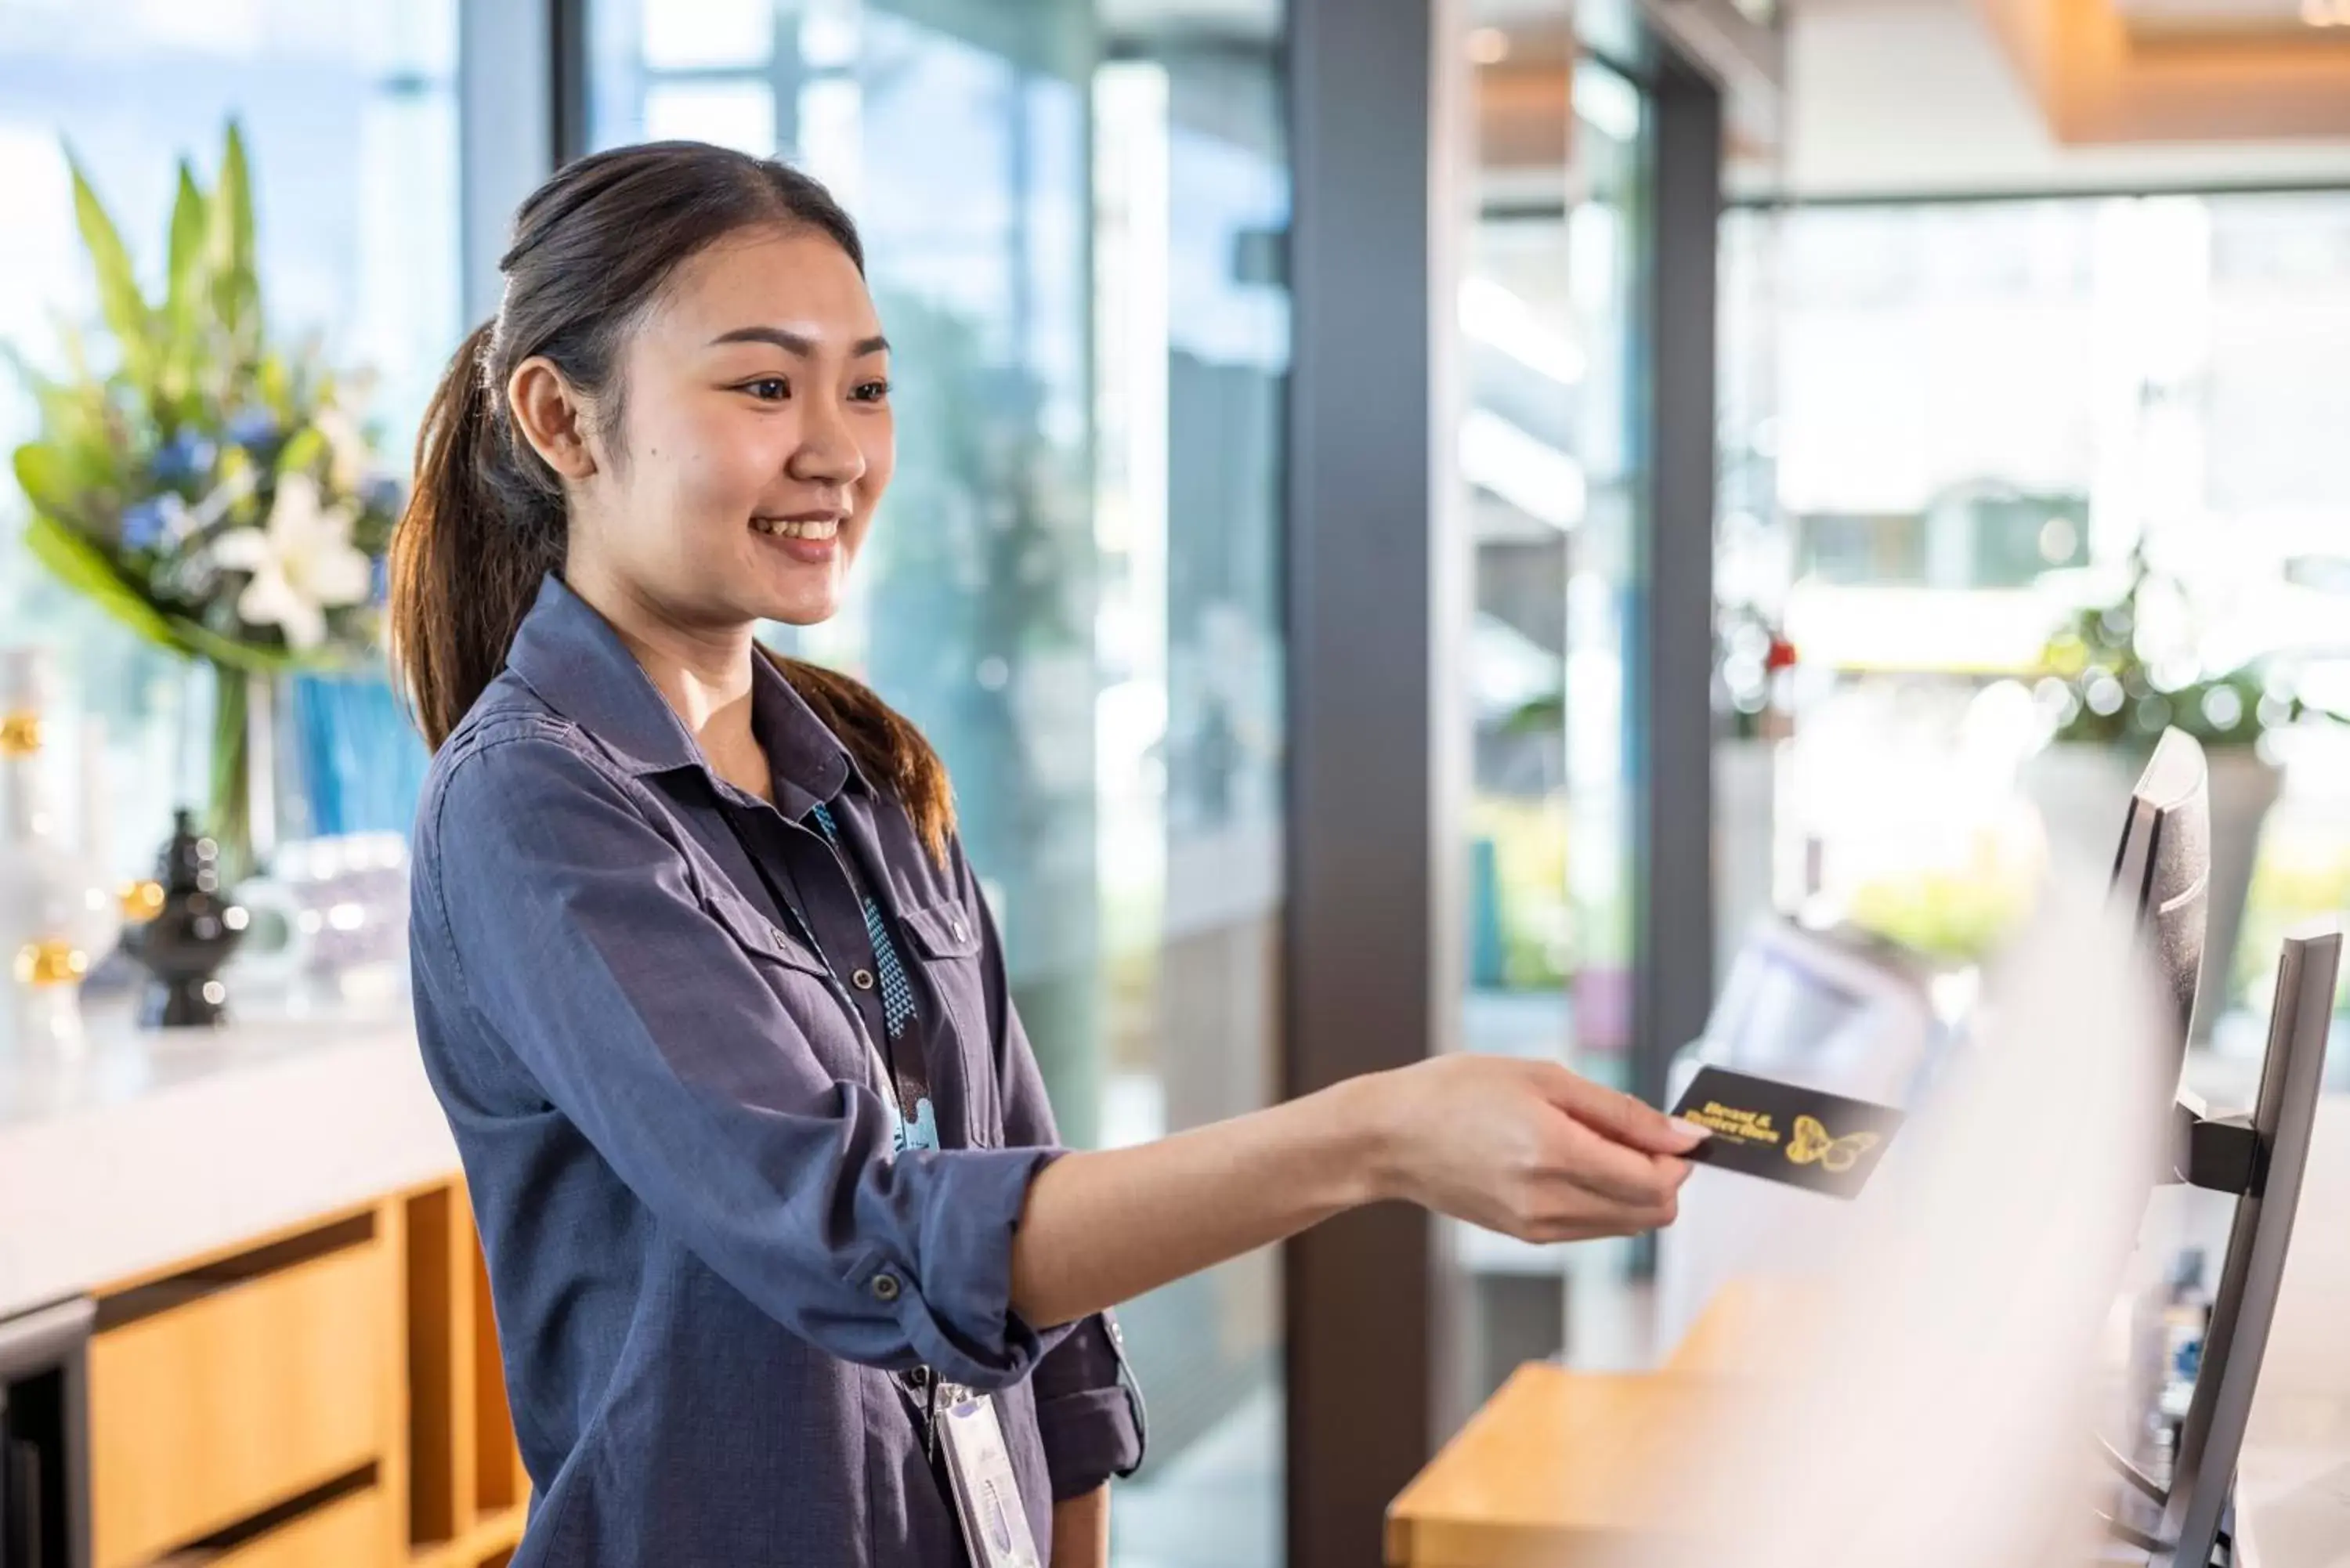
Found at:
<point>987,1493</point>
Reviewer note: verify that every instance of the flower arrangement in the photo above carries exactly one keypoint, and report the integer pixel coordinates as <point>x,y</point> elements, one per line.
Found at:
<point>213,492</point>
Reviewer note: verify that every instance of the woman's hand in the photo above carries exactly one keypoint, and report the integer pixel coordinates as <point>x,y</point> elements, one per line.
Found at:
<point>1526,1147</point>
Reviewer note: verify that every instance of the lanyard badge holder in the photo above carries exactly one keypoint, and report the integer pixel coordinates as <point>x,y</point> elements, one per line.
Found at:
<point>978,1470</point>
<point>961,1422</point>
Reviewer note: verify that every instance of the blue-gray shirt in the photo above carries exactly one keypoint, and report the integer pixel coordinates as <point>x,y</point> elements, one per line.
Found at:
<point>714,1279</point>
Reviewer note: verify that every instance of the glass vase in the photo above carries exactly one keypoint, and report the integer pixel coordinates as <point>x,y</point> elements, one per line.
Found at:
<point>241,813</point>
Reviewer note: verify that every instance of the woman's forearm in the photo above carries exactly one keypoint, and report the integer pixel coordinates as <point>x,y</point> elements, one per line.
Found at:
<point>1105,1227</point>
<point>1081,1530</point>
<point>1522,1147</point>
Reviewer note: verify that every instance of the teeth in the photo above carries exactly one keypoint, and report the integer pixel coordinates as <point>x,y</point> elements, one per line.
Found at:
<point>784,528</point>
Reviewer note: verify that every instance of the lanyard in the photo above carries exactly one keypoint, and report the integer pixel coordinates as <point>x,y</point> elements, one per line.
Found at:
<point>805,929</point>
<point>922,1387</point>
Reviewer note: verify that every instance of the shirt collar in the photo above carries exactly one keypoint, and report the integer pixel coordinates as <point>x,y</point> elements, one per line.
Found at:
<point>571,656</point>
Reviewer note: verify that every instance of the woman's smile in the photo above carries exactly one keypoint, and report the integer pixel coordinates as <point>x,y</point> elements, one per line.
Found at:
<point>812,538</point>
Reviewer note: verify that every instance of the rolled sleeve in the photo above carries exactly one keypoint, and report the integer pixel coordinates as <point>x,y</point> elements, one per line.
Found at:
<point>572,929</point>
<point>1089,1407</point>
<point>1087,1411</point>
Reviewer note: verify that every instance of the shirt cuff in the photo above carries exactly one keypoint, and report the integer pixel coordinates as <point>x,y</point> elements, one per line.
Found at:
<point>1089,1436</point>
<point>1090,1409</point>
<point>953,1301</point>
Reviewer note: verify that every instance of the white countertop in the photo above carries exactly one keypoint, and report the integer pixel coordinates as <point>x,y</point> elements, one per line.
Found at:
<point>150,1147</point>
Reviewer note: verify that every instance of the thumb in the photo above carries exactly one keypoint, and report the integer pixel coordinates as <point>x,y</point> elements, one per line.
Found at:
<point>1620,1117</point>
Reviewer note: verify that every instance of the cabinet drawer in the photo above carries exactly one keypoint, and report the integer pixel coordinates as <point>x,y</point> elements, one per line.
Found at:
<point>348,1532</point>
<point>208,1412</point>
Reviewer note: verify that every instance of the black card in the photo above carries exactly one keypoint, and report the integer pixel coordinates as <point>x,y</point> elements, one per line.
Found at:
<point>1820,1142</point>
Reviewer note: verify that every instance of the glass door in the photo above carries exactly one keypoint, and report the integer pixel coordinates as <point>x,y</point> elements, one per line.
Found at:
<point>1551,452</point>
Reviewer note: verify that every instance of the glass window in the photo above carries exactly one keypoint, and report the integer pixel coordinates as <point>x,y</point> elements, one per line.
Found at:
<point>350,115</point>
<point>1952,426</point>
<point>1073,225</point>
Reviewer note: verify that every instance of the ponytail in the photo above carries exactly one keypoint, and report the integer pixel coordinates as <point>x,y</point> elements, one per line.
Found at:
<point>481,531</point>
<point>486,522</point>
<point>892,754</point>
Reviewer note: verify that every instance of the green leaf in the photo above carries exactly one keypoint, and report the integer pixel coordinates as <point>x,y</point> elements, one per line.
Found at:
<point>183,290</point>
<point>274,382</point>
<point>45,475</point>
<point>82,456</point>
<point>302,450</point>
<point>83,568</point>
<point>124,307</point>
<point>236,291</point>
<point>205,643</point>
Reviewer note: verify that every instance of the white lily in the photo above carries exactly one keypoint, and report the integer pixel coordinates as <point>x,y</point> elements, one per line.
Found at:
<point>302,561</point>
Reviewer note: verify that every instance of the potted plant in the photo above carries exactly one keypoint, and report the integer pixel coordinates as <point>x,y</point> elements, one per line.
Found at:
<point>211,491</point>
<point>2111,702</point>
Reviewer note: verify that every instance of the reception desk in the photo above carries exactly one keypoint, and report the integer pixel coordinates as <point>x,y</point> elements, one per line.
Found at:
<point>1560,1464</point>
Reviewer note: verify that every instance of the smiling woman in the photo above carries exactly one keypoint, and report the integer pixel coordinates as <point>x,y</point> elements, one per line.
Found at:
<point>788,1265</point>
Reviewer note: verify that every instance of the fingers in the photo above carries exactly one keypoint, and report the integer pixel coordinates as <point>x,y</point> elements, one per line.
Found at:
<point>1582,1158</point>
<point>1619,1116</point>
<point>1583,1221</point>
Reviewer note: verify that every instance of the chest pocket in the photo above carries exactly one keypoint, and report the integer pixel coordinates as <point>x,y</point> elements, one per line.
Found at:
<point>943,941</point>
<point>798,977</point>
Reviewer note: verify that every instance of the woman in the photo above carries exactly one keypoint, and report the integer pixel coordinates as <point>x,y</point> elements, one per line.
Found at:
<point>782,1252</point>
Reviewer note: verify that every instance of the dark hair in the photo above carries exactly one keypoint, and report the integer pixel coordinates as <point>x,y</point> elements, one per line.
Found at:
<point>592,248</point>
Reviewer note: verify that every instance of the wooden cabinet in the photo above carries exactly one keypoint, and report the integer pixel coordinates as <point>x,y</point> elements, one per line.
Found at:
<point>353,1528</point>
<point>328,1397</point>
<point>207,1410</point>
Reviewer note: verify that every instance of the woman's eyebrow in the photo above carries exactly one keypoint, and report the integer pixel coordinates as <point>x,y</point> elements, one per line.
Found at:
<point>797,344</point>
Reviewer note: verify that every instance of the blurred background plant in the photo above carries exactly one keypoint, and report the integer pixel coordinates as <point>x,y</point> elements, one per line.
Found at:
<point>214,493</point>
<point>2110,687</point>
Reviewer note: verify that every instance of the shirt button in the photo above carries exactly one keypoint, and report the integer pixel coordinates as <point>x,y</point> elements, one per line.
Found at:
<point>886,1287</point>
<point>782,942</point>
<point>954,924</point>
<point>862,980</point>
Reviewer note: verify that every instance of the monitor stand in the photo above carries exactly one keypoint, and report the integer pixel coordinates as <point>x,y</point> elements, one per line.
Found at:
<point>2259,1158</point>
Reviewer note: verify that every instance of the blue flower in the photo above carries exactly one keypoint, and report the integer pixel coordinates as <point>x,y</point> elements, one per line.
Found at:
<point>253,427</point>
<point>381,493</point>
<point>151,524</point>
<point>380,580</point>
<point>188,456</point>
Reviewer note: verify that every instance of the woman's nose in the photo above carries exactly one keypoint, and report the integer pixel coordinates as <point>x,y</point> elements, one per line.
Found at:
<point>829,452</point>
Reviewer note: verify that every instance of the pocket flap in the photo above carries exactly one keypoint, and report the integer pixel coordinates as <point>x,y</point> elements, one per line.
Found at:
<point>760,935</point>
<point>941,931</point>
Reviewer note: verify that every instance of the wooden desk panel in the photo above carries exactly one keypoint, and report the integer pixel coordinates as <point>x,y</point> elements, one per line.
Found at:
<point>1556,1465</point>
<point>1560,1463</point>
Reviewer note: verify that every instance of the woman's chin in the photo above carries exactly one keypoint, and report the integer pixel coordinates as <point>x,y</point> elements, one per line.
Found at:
<point>797,592</point>
<point>803,604</point>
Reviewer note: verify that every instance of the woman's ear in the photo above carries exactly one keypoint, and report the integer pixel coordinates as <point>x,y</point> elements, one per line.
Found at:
<point>552,417</point>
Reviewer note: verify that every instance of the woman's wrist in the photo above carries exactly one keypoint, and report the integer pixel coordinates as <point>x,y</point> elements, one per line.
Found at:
<point>1365,1145</point>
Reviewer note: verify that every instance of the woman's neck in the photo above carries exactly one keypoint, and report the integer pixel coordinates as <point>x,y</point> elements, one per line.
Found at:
<point>703,673</point>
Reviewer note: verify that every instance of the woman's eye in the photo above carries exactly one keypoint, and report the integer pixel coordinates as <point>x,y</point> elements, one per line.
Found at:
<point>872,391</point>
<point>769,388</point>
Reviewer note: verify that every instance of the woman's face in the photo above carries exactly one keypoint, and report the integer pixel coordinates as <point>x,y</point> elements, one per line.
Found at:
<point>756,438</point>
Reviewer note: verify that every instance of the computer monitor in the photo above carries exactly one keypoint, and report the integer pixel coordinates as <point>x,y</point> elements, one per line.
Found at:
<point>2162,871</point>
<point>2244,1306</point>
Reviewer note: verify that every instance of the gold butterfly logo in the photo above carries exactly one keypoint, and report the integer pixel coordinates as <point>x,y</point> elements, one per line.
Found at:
<point>1812,1145</point>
